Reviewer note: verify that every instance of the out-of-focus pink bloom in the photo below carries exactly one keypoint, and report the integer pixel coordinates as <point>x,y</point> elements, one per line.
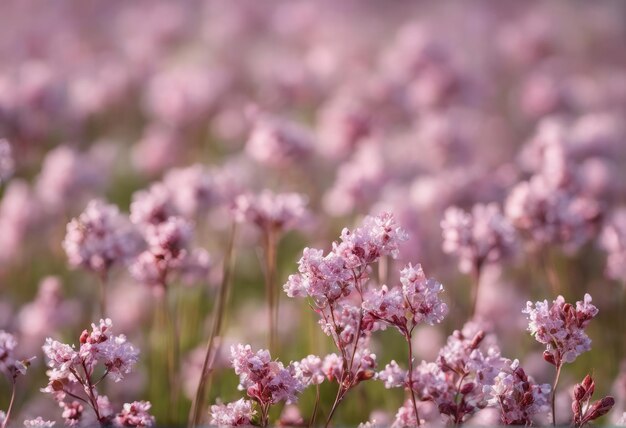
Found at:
<point>135,414</point>
<point>48,312</point>
<point>551,216</point>
<point>7,163</point>
<point>613,241</point>
<point>100,237</point>
<point>192,189</point>
<point>39,422</point>
<point>158,149</point>
<point>152,206</point>
<point>184,95</point>
<point>19,213</point>
<point>291,416</point>
<point>358,181</point>
<point>278,142</point>
<point>233,414</point>
<point>481,236</point>
<point>272,211</point>
<point>343,123</point>
<point>9,364</point>
<point>67,175</point>
<point>561,327</point>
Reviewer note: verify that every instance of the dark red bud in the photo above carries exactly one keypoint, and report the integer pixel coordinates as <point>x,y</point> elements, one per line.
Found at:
<point>477,339</point>
<point>83,336</point>
<point>467,388</point>
<point>549,357</point>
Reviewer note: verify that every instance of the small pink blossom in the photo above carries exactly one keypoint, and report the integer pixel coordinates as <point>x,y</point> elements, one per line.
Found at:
<point>232,414</point>
<point>561,327</point>
<point>39,422</point>
<point>135,414</point>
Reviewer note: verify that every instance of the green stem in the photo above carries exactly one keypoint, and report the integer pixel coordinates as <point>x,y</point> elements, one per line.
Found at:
<point>216,328</point>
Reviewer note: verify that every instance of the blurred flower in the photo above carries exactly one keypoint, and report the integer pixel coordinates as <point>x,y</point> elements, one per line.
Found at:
<point>7,163</point>
<point>237,413</point>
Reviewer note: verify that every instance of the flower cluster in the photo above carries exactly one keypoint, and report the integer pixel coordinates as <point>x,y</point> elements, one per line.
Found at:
<point>272,212</point>
<point>73,376</point>
<point>482,236</point>
<point>100,237</point>
<point>561,326</point>
<point>403,307</point>
<point>461,376</point>
<point>238,413</point>
<point>517,396</point>
<point>168,237</point>
<point>265,381</point>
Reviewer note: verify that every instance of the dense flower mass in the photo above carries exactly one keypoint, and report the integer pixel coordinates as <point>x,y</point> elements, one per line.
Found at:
<point>561,327</point>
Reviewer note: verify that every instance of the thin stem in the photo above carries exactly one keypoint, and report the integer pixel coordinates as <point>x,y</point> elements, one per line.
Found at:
<point>8,414</point>
<point>270,286</point>
<point>556,382</point>
<point>317,403</point>
<point>216,327</point>
<point>417,416</point>
<point>338,398</point>
<point>476,270</point>
<point>103,277</point>
<point>169,349</point>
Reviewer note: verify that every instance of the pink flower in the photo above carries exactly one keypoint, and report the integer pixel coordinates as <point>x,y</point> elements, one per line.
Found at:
<point>482,236</point>
<point>272,212</point>
<point>613,241</point>
<point>393,376</point>
<point>193,190</point>
<point>7,163</point>
<point>422,295</point>
<point>38,422</point>
<point>309,370</point>
<point>517,396</point>
<point>276,141</point>
<point>100,237</point>
<point>561,327</point>
<point>266,381</point>
<point>9,364</point>
<point>135,414</point>
<point>232,414</point>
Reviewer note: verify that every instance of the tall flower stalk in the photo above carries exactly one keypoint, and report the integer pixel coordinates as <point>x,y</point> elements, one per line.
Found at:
<point>561,327</point>
<point>217,322</point>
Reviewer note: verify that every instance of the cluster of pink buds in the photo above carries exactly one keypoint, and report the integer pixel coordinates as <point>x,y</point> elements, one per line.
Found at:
<point>168,238</point>
<point>481,236</point>
<point>561,327</point>
<point>517,396</point>
<point>457,381</point>
<point>584,411</point>
<point>265,381</point>
<point>100,237</point>
<point>75,374</point>
<point>7,163</point>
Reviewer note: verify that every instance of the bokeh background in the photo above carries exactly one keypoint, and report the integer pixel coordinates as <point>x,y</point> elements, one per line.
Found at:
<point>404,106</point>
